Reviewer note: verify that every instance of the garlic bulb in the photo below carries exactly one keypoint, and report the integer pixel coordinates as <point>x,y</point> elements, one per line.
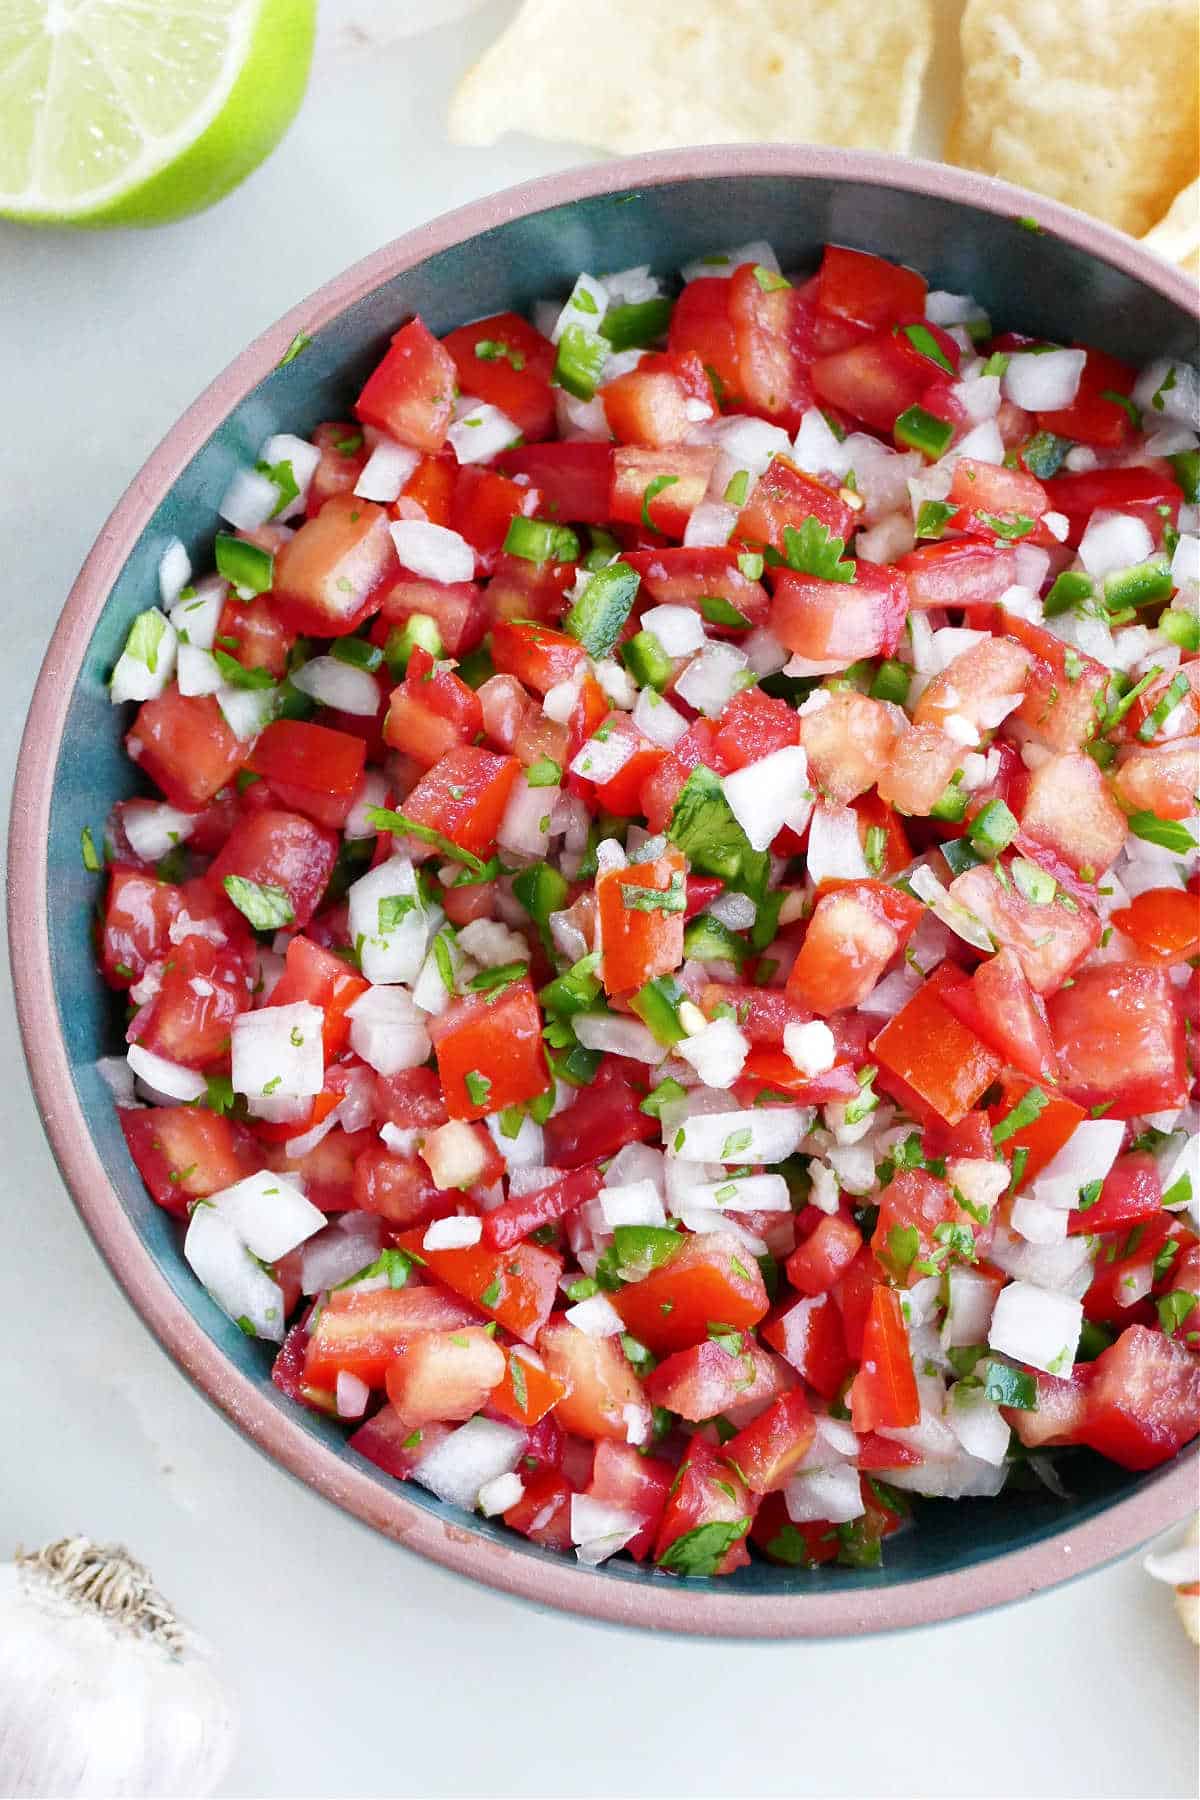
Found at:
<point>102,1690</point>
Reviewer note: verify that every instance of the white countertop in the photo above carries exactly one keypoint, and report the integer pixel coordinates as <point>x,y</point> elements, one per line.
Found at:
<point>363,1671</point>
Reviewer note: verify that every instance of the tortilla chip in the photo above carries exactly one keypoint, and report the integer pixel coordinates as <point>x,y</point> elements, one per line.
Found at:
<point>1177,234</point>
<point>1093,102</point>
<point>626,75</point>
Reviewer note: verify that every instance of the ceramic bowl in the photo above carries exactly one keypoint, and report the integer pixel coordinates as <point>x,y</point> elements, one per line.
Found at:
<point>1072,279</point>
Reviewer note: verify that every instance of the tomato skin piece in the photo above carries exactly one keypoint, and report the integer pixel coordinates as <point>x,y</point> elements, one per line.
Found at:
<point>574,479</point>
<point>708,1492</point>
<point>501,1043</point>
<point>411,1099</point>
<point>310,768</point>
<point>605,1115</point>
<point>1143,1400</point>
<point>522,393</point>
<point>282,850</point>
<point>819,1263</point>
<point>1120,1038</point>
<point>330,576</point>
<point>399,1189</point>
<point>409,395</point>
<point>700,1283</point>
<point>599,1382</point>
<point>183,1153</point>
<point>359,1334</point>
<point>640,944</point>
<point>1164,923</point>
<point>464,796</point>
<point>528,1280</point>
<point>867,290</point>
<point>183,744</point>
<point>927,1047</point>
<point>884,1392</point>
<point>520,1214</point>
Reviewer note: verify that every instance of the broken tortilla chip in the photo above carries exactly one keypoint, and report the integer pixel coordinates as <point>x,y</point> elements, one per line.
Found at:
<point>1177,234</point>
<point>623,75</point>
<point>1093,102</point>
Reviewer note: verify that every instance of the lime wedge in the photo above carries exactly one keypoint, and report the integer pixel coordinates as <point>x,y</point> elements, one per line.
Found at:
<point>131,112</point>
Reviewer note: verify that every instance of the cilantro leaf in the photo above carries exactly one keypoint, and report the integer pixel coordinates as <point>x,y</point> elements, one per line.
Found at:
<point>266,907</point>
<point>812,551</point>
<point>701,1551</point>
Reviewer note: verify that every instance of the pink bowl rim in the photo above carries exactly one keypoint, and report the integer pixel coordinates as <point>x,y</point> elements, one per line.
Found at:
<point>713,1611</point>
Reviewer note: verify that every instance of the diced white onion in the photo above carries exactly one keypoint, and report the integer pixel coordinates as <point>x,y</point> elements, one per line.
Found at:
<point>525,826</point>
<point>711,523</point>
<point>617,1035</point>
<point>972,1298</point>
<point>433,550</point>
<point>634,1203</point>
<point>599,1530</point>
<point>596,1317</point>
<point>458,1467</point>
<point>269,1214</point>
<point>604,755</point>
<point>386,472</point>
<point>218,1258</point>
<point>716,1053</point>
<point>249,500</point>
<point>388,1030</point>
<point>678,629</point>
<point>397,952</point>
<point>454,1155</point>
<point>711,679</point>
<point>197,671</point>
<point>452,1234</point>
<point>170,1079</point>
<point>174,572</point>
<point>247,711</point>
<point>304,457</point>
<point>333,683</point>
<point>771,793</point>
<point>748,1193</point>
<point>1088,1155</point>
<point>587,316</point>
<point>278,1052</point>
<point>1046,382</point>
<point>134,678</point>
<point>763,1135</point>
<point>481,432</point>
<point>834,851</point>
<point>834,1494</point>
<point>1037,1327</point>
<point>1180,400</point>
<point>500,1495</point>
<point>1037,1221</point>
<point>1114,541</point>
<point>658,720</point>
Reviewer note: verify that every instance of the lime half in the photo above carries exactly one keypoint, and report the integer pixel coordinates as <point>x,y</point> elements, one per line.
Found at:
<point>131,112</point>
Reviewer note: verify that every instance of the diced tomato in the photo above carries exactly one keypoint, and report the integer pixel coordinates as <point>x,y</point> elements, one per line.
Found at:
<point>526,1392</point>
<point>874,381</point>
<point>456,608</point>
<point>1045,1135</point>
<point>1158,781</point>
<point>707,1492</point>
<point>884,1392</point>
<point>527,1279</point>
<point>330,575</point>
<point>706,1279</point>
<point>996,502</point>
<point>412,1099</point>
<point>725,1373</point>
<point>852,936</point>
<point>1164,923</point>
<point>343,458</point>
<point>785,496</point>
<point>807,1545</point>
<point>327,1171</point>
<point>876,1452</point>
<point>543,1513</point>
<point>310,768</point>
<point>649,404</point>
<point>1000,1007</point>
<point>1180,690</point>
<point>849,742</point>
<point>701,322</point>
<point>1139,491</point>
<point>916,1201</point>
<point>183,1153</point>
<point>138,911</point>
<point>520,1214</point>
<point>1132,1194</point>
<point>641,941</point>
<point>765,1452</point>
<point>873,812</point>
<point>769,1076</point>
<point>935,1055</point>
<point>637,1484</point>
<point>1095,416</point>
<point>762,1014</point>
<point>809,1335</point>
<point>183,744</point>
<point>538,657</point>
<point>923,761</point>
<point>819,1263</point>
<point>574,479</point>
<point>410,394</point>
<point>866,290</point>
<point>605,1115</point>
<point>1143,1401</point>
<point>774,336</point>
<point>675,576</point>
<point>505,362</point>
<point>828,621</point>
<point>463,797</point>
<point>281,850</point>
<point>1120,1039</point>
<point>621,796</point>
<point>202,990</point>
<point>484,505</point>
<point>399,1188</point>
<point>324,980</point>
<point>976,685</point>
<point>432,712</point>
<point>489,1052</point>
<point>1050,939</point>
<point>957,572</point>
<point>254,635</point>
<point>1070,809</point>
<point>598,1380</point>
<point>443,1375</point>
<point>752,726</point>
<point>360,1334</point>
<point>683,470</point>
<point>853,1296</point>
<point>1059,1414</point>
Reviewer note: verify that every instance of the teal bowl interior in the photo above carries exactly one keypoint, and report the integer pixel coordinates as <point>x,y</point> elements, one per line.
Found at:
<point>1038,283</point>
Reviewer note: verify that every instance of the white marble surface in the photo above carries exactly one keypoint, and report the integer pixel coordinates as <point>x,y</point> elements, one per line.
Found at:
<point>363,1671</point>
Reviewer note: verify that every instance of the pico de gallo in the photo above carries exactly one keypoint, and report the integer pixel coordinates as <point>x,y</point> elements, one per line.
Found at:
<point>660,943</point>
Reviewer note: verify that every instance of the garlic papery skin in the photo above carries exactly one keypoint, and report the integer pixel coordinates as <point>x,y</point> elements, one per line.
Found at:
<point>103,1692</point>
